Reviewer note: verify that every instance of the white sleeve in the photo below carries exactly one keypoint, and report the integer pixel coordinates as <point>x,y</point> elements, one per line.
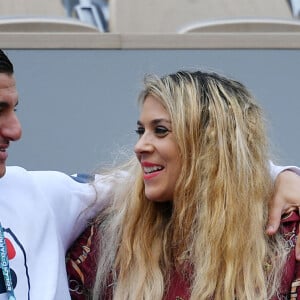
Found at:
<point>276,170</point>
<point>69,201</point>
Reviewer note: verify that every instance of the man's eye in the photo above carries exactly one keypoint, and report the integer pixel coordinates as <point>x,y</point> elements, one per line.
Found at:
<point>140,131</point>
<point>161,131</point>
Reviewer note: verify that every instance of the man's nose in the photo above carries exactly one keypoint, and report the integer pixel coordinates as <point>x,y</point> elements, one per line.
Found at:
<point>11,128</point>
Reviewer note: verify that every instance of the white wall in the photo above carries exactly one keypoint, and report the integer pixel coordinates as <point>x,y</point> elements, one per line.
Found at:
<point>77,107</point>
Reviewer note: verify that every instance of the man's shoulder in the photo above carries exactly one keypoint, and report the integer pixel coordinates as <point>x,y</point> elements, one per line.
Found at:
<point>19,176</point>
<point>17,184</point>
<point>14,173</point>
<point>50,183</point>
<point>14,169</point>
<point>48,175</point>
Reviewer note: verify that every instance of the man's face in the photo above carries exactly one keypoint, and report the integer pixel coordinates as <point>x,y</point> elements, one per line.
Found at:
<point>10,128</point>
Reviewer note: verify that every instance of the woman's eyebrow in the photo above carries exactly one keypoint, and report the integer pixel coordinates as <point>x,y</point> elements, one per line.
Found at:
<point>155,121</point>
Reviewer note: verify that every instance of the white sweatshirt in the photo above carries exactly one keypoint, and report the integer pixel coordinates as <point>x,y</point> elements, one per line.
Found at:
<point>41,213</point>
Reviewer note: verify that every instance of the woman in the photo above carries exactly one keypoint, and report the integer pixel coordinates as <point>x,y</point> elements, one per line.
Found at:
<point>189,221</point>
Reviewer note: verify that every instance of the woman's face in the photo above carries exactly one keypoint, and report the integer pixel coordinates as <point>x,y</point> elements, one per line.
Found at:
<point>157,151</point>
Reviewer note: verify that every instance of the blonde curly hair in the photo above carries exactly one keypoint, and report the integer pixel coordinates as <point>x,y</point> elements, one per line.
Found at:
<point>213,232</point>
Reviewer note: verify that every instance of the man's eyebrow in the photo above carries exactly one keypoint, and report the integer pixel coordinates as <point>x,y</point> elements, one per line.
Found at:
<point>3,104</point>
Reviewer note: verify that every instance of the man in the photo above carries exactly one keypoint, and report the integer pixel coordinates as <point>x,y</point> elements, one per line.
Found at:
<point>42,213</point>
<point>9,123</point>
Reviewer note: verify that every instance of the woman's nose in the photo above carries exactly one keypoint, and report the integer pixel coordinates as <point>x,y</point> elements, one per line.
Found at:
<point>144,144</point>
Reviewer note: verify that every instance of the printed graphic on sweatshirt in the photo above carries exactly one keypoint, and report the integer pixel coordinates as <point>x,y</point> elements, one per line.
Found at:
<point>17,261</point>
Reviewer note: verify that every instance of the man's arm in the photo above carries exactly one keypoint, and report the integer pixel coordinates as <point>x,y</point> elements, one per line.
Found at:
<point>286,197</point>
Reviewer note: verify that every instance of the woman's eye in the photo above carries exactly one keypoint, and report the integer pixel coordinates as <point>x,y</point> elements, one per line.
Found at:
<point>161,131</point>
<point>140,131</point>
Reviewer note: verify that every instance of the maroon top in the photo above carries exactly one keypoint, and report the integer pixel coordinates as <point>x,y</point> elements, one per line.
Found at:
<point>82,260</point>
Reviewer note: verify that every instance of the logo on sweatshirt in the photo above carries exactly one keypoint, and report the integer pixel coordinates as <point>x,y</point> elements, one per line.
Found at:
<point>18,266</point>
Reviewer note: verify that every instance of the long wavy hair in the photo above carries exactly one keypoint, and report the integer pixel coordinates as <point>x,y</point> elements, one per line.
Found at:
<point>213,232</point>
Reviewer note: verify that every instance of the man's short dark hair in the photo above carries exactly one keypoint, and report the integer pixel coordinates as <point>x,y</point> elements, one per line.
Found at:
<point>5,64</point>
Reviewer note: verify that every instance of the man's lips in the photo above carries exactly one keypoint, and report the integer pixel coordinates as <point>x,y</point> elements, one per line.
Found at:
<point>3,151</point>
